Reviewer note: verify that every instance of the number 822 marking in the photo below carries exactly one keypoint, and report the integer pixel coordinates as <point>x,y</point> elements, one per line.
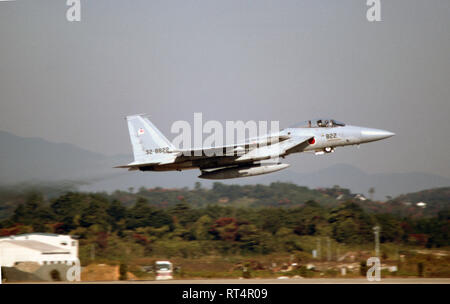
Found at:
<point>331,136</point>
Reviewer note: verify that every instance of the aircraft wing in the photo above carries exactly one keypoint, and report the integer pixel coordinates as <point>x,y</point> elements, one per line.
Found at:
<point>297,144</point>
<point>164,159</point>
<point>293,144</point>
<point>132,167</point>
<point>239,148</point>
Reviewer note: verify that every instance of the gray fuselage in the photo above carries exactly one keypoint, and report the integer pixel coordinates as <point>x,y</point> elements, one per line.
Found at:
<point>322,140</point>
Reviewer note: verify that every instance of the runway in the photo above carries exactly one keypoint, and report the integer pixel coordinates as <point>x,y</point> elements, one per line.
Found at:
<point>287,281</point>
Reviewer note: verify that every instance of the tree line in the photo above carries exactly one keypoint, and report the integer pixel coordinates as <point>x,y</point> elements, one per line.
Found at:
<point>143,228</point>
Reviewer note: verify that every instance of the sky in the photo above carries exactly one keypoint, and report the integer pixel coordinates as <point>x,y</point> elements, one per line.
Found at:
<point>74,82</point>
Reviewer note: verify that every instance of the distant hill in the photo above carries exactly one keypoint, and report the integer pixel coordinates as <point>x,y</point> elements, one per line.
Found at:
<point>289,195</point>
<point>35,159</point>
<point>273,195</point>
<point>38,160</point>
<point>426,203</point>
<point>347,176</point>
<point>438,198</point>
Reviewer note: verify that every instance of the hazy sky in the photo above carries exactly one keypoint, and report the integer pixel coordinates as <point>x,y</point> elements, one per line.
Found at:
<point>232,60</point>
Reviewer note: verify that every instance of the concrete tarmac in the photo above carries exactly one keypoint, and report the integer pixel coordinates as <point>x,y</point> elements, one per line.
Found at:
<point>285,281</point>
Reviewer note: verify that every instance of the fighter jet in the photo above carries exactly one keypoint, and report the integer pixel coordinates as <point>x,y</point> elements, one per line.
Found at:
<point>154,152</point>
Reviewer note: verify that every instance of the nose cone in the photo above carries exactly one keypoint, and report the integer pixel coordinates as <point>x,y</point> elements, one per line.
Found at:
<point>368,135</point>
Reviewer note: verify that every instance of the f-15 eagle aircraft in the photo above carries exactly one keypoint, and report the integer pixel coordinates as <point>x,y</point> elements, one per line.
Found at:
<point>154,152</point>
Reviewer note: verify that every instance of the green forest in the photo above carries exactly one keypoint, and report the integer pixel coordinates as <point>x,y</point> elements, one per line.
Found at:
<point>224,220</point>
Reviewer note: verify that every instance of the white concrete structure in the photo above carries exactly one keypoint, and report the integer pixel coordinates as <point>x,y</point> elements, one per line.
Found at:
<point>42,248</point>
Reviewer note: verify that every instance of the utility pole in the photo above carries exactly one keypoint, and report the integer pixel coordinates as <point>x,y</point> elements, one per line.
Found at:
<point>376,231</point>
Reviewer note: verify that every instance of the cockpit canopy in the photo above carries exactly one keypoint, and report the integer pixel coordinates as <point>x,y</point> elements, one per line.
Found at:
<point>319,123</point>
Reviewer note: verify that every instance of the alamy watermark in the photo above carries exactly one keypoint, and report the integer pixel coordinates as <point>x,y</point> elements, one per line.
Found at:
<point>374,10</point>
<point>374,272</point>
<point>235,138</point>
<point>74,273</point>
<point>74,11</point>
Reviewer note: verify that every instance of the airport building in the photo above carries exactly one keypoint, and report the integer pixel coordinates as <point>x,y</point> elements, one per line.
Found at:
<point>38,248</point>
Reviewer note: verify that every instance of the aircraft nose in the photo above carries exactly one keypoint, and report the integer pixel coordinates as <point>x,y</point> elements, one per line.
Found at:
<point>368,135</point>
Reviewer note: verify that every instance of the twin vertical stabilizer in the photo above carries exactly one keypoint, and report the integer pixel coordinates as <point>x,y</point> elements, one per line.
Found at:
<point>149,144</point>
